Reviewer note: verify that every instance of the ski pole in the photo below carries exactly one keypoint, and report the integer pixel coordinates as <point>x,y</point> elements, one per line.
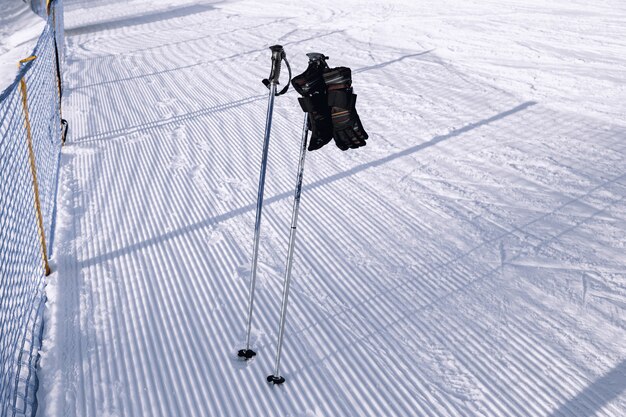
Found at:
<point>275,377</point>
<point>278,55</point>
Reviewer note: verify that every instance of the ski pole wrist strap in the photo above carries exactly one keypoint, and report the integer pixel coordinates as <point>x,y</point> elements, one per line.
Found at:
<point>278,55</point>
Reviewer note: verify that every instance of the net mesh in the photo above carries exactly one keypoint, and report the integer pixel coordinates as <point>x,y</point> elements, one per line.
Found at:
<point>22,283</point>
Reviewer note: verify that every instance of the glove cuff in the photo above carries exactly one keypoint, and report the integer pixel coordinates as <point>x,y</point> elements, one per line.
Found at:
<point>310,81</point>
<point>340,77</point>
<point>342,99</point>
<point>313,104</point>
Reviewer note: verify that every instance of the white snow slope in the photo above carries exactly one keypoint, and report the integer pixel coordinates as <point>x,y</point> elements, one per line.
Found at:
<point>19,29</point>
<point>470,261</point>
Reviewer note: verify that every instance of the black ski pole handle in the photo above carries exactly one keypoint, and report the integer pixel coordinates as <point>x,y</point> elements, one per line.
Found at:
<point>278,55</point>
<point>317,57</point>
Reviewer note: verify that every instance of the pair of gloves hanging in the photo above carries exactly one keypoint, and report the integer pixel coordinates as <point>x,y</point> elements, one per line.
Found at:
<point>328,99</point>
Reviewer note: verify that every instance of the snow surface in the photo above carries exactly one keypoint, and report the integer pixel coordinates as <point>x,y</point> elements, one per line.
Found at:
<point>470,261</point>
<point>20,28</point>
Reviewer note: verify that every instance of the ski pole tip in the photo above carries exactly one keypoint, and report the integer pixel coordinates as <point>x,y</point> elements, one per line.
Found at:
<point>276,380</point>
<point>246,354</point>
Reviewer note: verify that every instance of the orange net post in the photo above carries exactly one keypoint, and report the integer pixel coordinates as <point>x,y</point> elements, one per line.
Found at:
<point>33,168</point>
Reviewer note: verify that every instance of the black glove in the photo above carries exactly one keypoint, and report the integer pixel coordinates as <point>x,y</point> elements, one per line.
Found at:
<point>310,84</point>
<point>347,128</point>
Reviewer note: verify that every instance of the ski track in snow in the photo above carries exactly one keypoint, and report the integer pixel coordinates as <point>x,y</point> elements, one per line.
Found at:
<point>468,262</point>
